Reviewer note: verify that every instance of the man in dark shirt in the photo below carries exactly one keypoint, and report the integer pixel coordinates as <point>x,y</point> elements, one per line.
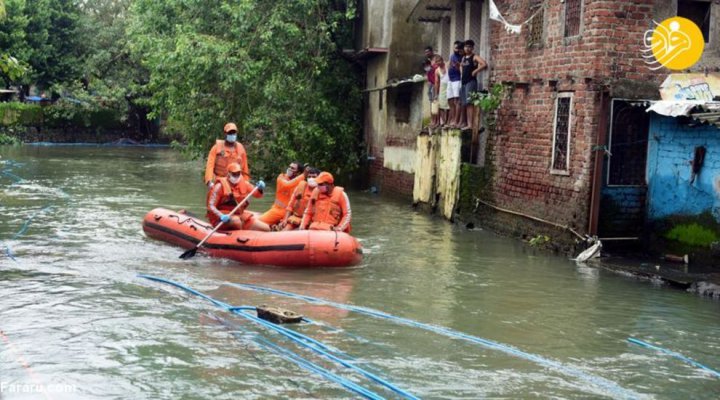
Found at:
<point>470,67</point>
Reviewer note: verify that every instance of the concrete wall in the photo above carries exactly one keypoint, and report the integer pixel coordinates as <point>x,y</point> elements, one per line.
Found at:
<point>671,147</point>
<point>390,139</point>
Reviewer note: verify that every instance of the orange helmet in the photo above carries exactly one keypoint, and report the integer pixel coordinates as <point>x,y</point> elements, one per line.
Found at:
<point>229,127</point>
<point>325,177</point>
<point>234,168</point>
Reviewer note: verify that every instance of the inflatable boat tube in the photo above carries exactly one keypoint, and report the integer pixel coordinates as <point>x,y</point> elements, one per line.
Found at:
<point>287,249</point>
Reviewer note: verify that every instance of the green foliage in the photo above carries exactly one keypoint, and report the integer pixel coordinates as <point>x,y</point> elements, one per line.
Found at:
<point>539,240</point>
<point>61,114</point>
<point>55,46</point>
<point>112,73</point>
<point>8,140</point>
<point>692,234</point>
<point>489,102</point>
<point>271,66</point>
<point>13,113</point>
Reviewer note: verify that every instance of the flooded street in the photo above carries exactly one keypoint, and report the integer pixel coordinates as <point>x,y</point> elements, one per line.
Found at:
<point>77,320</point>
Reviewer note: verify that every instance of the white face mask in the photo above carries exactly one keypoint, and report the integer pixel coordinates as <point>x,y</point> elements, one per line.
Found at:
<point>312,183</point>
<point>289,172</point>
<point>230,138</point>
<point>234,179</point>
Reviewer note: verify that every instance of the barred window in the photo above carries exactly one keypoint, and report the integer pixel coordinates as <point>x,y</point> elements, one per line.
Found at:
<point>573,15</point>
<point>561,134</point>
<point>535,30</point>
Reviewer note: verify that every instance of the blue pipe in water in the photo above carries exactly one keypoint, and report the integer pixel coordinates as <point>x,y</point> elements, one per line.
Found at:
<point>298,338</point>
<point>307,364</point>
<point>600,382</point>
<point>674,354</point>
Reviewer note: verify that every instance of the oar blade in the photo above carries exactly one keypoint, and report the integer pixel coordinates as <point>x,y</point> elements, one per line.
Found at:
<point>189,254</point>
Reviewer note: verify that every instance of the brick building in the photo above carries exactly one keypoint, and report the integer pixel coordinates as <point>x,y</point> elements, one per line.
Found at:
<point>572,135</point>
<point>571,138</point>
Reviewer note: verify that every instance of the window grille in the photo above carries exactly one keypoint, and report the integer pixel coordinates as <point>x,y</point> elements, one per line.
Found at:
<point>536,27</point>
<point>459,21</point>
<point>561,136</point>
<point>573,14</point>
<point>628,145</point>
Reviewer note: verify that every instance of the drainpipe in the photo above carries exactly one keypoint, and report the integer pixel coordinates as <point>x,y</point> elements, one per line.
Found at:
<point>599,150</point>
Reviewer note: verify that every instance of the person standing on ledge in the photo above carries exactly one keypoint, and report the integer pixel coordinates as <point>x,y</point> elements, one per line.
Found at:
<point>471,66</point>
<point>224,153</point>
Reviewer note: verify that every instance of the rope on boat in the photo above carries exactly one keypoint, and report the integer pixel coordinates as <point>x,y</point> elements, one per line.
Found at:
<point>303,340</point>
<point>674,354</point>
<point>608,385</point>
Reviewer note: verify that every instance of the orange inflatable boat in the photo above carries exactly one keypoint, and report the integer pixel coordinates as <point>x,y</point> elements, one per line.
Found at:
<point>288,249</point>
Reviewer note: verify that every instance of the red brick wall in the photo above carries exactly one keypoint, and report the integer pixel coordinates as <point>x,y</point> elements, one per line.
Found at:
<point>387,181</point>
<point>608,46</point>
<point>608,49</point>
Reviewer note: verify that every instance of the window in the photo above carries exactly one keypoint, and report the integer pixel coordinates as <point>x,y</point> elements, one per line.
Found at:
<point>697,12</point>
<point>561,134</point>
<point>573,17</point>
<point>535,30</point>
<point>403,98</point>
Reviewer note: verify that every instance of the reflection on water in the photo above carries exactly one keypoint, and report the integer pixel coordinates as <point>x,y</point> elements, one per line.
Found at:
<point>74,314</point>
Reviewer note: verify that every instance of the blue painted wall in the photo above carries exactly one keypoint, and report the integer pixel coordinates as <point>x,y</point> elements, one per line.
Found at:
<point>671,147</point>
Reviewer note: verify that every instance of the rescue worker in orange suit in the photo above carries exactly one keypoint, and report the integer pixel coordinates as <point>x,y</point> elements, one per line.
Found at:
<point>224,153</point>
<point>286,183</point>
<point>299,200</point>
<point>328,208</point>
<point>226,193</point>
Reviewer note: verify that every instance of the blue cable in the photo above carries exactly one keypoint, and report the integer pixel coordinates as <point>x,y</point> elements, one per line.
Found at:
<point>23,229</point>
<point>298,338</point>
<point>12,176</point>
<point>674,354</point>
<point>606,384</point>
<point>25,226</point>
<point>318,369</point>
<point>305,363</point>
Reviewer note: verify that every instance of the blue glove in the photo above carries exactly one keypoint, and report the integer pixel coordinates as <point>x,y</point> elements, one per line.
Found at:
<point>225,218</point>
<point>260,185</point>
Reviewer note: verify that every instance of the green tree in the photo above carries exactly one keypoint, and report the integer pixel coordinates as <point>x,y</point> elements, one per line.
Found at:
<point>272,66</point>
<point>56,51</point>
<point>12,41</point>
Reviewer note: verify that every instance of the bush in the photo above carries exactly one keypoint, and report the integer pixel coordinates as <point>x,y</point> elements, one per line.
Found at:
<point>692,234</point>
<point>14,113</point>
<point>6,139</point>
<point>61,114</point>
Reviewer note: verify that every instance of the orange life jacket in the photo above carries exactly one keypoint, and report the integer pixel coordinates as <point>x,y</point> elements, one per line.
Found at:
<point>285,188</point>
<point>327,210</point>
<point>302,196</point>
<point>231,195</point>
<point>225,157</point>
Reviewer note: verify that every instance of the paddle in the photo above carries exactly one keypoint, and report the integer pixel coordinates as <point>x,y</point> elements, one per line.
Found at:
<point>191,253</point>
